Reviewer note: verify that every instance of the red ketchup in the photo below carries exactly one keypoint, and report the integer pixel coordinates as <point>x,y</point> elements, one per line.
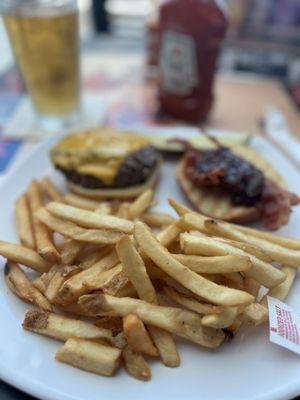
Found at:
<point>190,33</point>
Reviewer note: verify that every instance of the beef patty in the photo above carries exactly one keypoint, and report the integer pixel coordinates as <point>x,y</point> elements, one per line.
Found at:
<point>135,170</point>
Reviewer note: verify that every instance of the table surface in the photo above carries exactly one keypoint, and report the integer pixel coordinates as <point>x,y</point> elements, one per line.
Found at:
<point>240,103</point>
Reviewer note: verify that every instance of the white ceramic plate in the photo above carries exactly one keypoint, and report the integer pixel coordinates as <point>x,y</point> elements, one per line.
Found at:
<point>248,368</point>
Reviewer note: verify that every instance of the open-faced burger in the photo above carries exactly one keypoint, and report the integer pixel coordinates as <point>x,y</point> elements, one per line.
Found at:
<point>102,163</point>
<point>235,185</point>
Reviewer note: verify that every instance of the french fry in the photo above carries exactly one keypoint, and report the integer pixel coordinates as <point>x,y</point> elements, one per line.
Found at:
<point>74,309</point>
<point>42,235</point>
<point>192,221</point>
<point>181,322</point>
<point>135,364</point>
<point>108,281</point>
<point>222,320</point>
<point>141,204</point>
<point>62,328</point>
<point>50,190</point>
<point>167,236</point>
<point>24,223</point>
<point>20,285</point>
<point>57,280</point>
<point>23,255</point>
<point>76,285</point>
<point>248,248</point>
<point>157,220</point>
<point>179,208</point>
<point>281,291</point>
<point>81,202</point>
<point>261,271</point>
<point>137,336</point>
<point>123,210</point>
<point>39,284</point>
<point>215,265</point>
<point>135,269</point>
<point>89,219</point>
<point>104,208</point>
<point>255,314</point>
<point>71,249</point>
<point>90,356</point>
<point>92,257</point>
<point>252,286</point>
<point>216,294</point>
<point>190,303</point>
<point>66,228</point>
<point>280,240</point>
<point>115,325</point>
<point>278,253</point>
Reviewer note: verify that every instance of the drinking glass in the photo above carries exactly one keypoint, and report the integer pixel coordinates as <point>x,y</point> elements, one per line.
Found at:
<point>45,41</point>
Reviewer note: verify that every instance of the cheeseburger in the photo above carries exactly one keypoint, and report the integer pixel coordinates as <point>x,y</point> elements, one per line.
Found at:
<point>102,163</point>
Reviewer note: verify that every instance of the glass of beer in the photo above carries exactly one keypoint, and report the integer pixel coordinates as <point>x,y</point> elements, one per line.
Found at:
<point>44,38</point>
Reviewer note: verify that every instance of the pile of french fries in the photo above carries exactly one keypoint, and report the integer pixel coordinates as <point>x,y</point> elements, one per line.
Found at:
<point>112,289</point>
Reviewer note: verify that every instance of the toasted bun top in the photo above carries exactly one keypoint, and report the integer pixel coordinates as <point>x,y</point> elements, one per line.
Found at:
<point>98,152</point>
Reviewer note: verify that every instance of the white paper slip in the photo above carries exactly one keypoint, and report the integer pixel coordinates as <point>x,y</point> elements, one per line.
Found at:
<point>284,325</point>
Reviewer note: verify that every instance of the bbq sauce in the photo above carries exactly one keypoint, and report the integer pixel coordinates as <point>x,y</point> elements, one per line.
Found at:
<point>223,169</point>
<point>190,32</point>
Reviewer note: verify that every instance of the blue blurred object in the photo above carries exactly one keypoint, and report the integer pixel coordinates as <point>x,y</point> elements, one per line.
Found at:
<point>8,149</point>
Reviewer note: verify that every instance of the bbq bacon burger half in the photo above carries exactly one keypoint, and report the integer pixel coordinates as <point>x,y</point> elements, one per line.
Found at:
<point>102,163</point>
<point>235,185</point>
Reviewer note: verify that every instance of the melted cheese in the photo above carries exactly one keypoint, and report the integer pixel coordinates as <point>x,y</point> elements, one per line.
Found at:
<point>98,152</point>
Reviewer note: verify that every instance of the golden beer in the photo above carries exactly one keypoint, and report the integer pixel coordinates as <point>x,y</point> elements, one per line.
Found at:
<point>46,48</point>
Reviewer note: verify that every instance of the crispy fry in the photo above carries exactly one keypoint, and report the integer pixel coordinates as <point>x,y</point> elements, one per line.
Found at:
<point>20,285</point>
<point>135,364</point>
<point>115,325</point>
<point>255,314</point>
<point>39,284</point>
<point>93,256</point>
<point>57,280</point>
<point>251,286</point>
<point>50,190</point>
<point>123,210</point>
<point>191,303</point>
<point>248,248</point>
<point>76,286</point>
<point>104,208</point>
<point>90,356</point>
<point>263,272</point>
<point>169,235</point>
<point>89,219</point>
<point>278,253</point>
<point>222,320</point>
<point>137,336</point>
<point>281,291</point>
<point>190,221</point>
<point>24,223</point>
<point>107,280</point>
<point>217,294</point>
<point>62,328</point>
<point>179,208</point>
<point>215,265</point>
<point>71,249</point>
<point>157,220</point>
<point>66,228</point>
<point>23,255</point>
<point>81,202</point>
<point>181,322</point>
<point>281,240</point>
<point>42,235</point>
<point>141,204</point>
<point>135,269</point>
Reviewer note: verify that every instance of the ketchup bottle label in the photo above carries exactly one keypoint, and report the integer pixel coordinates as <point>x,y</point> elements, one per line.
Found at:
<point>178,63</point>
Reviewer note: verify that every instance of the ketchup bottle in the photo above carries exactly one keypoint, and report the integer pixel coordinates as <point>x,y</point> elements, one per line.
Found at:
<point>190,33</point>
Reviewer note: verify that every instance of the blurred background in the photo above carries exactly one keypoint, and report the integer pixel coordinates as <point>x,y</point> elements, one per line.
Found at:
<point>263,38</point>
